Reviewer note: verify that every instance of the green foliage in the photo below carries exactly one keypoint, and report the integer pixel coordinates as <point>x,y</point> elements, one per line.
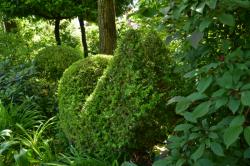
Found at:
<point>13,48</point>
<point>215,129</point>
<point>92,35</point>
<point>43,93</point>
<point>52,61</point>
<point>66,34</point>
<point>126,112</point>
<point>25,147</point>
<point>76,84</point>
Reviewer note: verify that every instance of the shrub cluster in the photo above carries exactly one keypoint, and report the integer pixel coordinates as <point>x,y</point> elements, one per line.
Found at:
<point>127,111</point>
<point>52,61</point>
<point>76,84</point>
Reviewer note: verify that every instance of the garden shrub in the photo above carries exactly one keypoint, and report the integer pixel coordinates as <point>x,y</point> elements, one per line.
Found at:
<point>126,112</point>
<point>13,48</point>
<point>76,84</point>
<point>52,61</point>
<point>43,92</point>
<point>92,35</point>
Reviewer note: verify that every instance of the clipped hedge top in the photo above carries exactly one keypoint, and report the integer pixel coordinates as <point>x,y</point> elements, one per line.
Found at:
<point>125,109</point>
<point>53,60</point>
<point>76,84</point>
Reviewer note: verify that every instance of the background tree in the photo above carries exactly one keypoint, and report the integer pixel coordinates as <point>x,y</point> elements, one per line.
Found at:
<point>107,28</point>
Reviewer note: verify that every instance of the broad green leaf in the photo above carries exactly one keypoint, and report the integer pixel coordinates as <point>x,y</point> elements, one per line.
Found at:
<point>175,99</point>
<point>194,136</point>
<point>227,19</point>
<point>245,98</point>
<point>220,102</point>
<point>247,134</point>
<point>245,87</point>
<point>182,106</point>
<point>161,162</point>
<point>189,117</point>
<point>233,104</point>
<point>198,153</point>
<point>22,158</point>
<point>237,121</point>
<point>201,110</point>
<point>205,162</point>
<point>226,81</point>
<point>208,67</point>
<point>165,10</point>
<point>195,38</point>
<point>242,3</point>
<point>128,164</point>
<point>200,7</point>
<point>213,135</point>
<point>217,149</point>
<point>219,93</point>
<point>204,24</point>
<point>237,73</point>
<point>231,134</point>
<point>247,153</point>
<point>180,162</point>
<point>191,74</point>
<point>196,96</point>
<point>183,127</point>
<point>204,84</point>
<point>177,12</point>
<point>211,3</point>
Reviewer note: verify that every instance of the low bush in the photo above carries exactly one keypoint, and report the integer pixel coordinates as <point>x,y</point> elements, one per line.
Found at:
<point>43,93</point>
<point>127,110</point>
<point>76,84</point>
<point>52,61</point>
<point>13,48</point>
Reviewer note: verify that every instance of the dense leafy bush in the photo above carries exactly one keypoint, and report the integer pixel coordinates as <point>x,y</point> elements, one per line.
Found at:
<point>52,61</point>
<point>76,84</point>
<point>92,35</point>
<point>215,130</point>
<point>13,48</point>
<point>126,111</point>
<point>43,93</point>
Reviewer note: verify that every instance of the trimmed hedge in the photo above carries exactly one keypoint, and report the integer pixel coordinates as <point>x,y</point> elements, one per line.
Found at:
<point>53,60</point>
<point>76,84</point>
<point>127,110</point>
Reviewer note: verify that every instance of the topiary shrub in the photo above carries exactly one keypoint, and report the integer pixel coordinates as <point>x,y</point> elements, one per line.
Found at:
<point>76,84</point>
<point>127,110</point>
<point>52,61</point>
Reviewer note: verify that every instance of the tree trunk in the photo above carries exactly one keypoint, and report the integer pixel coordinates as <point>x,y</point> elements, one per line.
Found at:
<point>57,31</point>
<point>84,40</point>
<point>107,28</point>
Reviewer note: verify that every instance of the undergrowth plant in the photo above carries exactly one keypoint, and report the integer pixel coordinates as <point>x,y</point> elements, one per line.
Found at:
<point>26,147</point>
<point>215,130</point>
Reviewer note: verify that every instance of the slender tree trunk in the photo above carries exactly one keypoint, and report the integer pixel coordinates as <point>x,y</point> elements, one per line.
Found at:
<point>107,28</point>
<point>84,40</point>
<point>57,31</point>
